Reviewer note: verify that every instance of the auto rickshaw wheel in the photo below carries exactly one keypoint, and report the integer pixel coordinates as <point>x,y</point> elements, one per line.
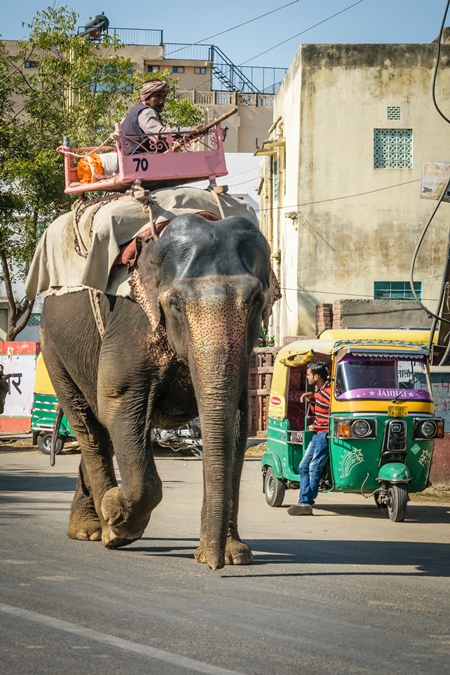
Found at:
<point>44,443</point>
<point>379,504</point>
<point>398,499</point>
<point>274,488</point>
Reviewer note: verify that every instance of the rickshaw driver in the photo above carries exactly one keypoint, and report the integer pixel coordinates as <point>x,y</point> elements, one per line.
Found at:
<point>317,451</point>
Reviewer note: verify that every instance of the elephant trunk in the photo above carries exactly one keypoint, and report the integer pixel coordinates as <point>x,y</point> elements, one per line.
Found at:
<point>217,371</point>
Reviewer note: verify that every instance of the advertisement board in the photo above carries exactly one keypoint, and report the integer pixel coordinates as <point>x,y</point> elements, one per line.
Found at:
<point>19,361</point>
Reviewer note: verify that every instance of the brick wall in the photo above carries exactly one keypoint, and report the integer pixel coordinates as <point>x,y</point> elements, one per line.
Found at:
<point>370,313</point>
<point>324,317</point>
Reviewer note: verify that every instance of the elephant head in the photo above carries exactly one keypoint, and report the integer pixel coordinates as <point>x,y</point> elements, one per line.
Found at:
<point>208,285</point>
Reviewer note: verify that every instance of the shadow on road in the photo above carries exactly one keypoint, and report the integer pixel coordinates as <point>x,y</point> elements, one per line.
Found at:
<point>422,513</point>
<point>428,559</point>
<point>29,481</point>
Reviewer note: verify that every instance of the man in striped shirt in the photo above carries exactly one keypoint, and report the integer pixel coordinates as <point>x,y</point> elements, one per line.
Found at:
<point>316,453</point>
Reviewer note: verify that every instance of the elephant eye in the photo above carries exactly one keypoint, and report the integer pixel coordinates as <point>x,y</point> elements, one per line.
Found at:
<point>173,304</point>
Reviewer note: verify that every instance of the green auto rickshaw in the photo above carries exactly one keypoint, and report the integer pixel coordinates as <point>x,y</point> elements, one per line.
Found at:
<point>43,413</point>
<point>382,423</point>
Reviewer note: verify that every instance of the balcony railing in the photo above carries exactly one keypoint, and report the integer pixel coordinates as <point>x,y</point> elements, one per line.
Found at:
<point>226,98</point>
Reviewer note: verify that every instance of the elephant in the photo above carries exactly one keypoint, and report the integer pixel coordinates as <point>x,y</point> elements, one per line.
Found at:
<point>178,349</point>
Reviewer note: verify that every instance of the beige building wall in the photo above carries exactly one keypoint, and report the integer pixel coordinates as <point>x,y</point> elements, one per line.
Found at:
<point>349,223</point>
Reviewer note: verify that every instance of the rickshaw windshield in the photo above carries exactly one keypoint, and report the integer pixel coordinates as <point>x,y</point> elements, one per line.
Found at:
<point>382,378</point>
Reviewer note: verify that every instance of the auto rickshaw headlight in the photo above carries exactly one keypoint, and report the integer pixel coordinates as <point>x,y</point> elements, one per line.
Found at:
<point>361,428</point>
<point>431,428</point>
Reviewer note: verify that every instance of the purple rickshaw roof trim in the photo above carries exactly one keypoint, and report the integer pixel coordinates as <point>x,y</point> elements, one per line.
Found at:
<point>386,394</point>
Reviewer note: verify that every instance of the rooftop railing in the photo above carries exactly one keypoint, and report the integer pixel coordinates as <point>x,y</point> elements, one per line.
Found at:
<point>225,74</point>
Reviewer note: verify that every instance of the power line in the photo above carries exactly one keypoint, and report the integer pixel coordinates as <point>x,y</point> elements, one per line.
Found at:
<point>301,32</point>
<point>234,27</point>
<point>335,199</point>
<point>341,293</point>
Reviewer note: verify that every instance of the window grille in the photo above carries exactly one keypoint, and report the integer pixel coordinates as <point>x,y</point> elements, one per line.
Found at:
<point>393,113</point>
<point>31,64</point>
<point>153,69</point>
<point>177,69</point>
<point>275,179</point>
<point>200,71</point>
<point>392,148</point>
<point>396,290</point>
<point>34,320</point>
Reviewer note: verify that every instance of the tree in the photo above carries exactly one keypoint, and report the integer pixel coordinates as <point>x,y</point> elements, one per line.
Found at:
<point>79,89</point>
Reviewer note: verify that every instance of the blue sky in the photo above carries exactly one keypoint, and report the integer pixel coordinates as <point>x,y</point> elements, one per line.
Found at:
<point>368,21</point>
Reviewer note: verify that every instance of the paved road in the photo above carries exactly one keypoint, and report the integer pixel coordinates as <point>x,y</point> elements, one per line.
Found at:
<point>342,592</point>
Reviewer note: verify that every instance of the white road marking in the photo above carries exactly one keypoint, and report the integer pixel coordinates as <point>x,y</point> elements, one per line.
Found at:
<point>151,652</point>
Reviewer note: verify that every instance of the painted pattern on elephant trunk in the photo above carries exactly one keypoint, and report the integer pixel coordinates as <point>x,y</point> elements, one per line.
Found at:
<point>218,351</point>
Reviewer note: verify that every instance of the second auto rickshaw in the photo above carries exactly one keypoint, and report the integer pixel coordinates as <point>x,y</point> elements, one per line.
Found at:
<point>382,423</point>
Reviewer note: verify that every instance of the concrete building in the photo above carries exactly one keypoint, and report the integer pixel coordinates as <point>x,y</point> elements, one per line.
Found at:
<point>340,178</point>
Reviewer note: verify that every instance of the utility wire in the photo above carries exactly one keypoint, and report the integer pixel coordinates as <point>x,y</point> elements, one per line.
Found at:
<point>431,314</point>
<point>336,293</point>
<point>335,199</point>
<point>234,27</point>
<point>437,65</point>
<point>301,32</point>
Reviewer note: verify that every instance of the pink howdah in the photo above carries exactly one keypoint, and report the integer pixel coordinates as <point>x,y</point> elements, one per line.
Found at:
<point>153,161</point>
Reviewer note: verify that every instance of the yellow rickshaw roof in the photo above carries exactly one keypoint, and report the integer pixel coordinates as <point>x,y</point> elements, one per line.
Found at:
<point>397,334</point>
<point>42,382</point>
<point>332,341</point>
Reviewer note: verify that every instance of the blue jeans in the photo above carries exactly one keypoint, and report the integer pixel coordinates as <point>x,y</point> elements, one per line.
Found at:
<point>311,467</point>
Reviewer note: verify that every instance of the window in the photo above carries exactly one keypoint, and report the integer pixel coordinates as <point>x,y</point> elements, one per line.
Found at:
<point>153,69</point>
<point>393,113</point>
<point>31,64</point>
<point>200,71</point>
<point>34,320</point>
<point>177,69</point>
<point>396,290</point>
<point>392,148</point>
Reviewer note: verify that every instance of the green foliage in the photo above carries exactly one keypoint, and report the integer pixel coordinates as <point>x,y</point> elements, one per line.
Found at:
<point>79,89</point>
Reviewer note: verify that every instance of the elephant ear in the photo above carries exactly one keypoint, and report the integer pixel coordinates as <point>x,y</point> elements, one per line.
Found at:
<point>273,294</point>
<point>144,284</point>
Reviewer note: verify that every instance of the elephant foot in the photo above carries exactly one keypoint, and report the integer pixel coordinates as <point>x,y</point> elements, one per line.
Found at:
<point>118,530</point>
<point>236,553</point>
<point>111,539</point>
<point>88,530</point>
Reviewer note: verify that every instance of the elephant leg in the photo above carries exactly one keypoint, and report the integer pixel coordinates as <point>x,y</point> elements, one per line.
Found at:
<point>96,473</point>
<point>125,411</point>
<point>84,522</point>
<point>237,552</point>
